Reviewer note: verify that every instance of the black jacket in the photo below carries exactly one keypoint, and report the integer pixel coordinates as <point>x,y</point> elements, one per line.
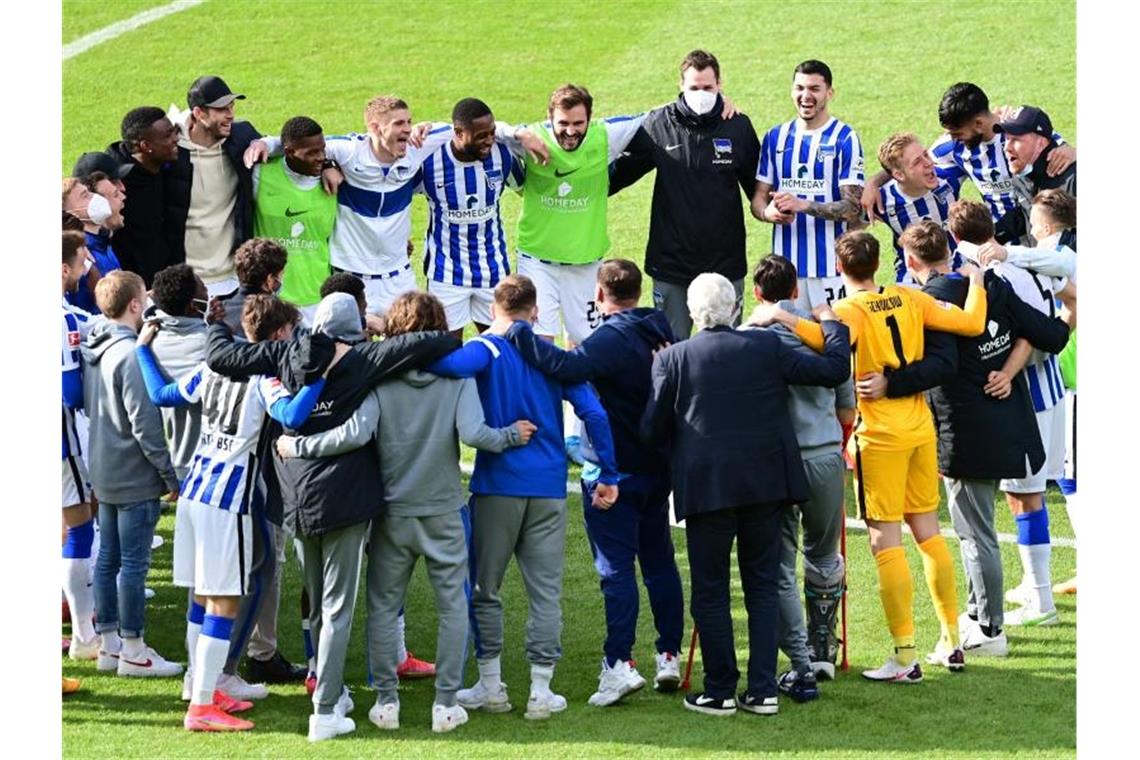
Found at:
<point>719,403</point>
<point>181,178</point>
<point>322,495</point>
<point>616,358</point>
<point>696,223</point>
<point>1015,223</point>
<point>144,245</point>
<point>979,436</point>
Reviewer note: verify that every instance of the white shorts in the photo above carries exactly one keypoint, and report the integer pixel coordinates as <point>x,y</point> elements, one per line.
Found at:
<point>222,287</point>
<point>213,549</point>
<point>381,290</point>
<point>308,314</point>
<point>1051,426</point>
<point>819,290</point>
<point>565,290</point>
<point>463,304</point>
<point>1071,435</point>
<point>76,489</point>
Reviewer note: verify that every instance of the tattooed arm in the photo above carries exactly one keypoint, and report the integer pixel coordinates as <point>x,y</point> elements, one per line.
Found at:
<point>847,209</point>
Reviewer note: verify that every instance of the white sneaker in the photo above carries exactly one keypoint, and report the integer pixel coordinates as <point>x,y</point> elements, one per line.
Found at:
<point>84,650</point>
<point>965,623</point>
<point>329,726</point>
<point>187,685</point>
<point>344,705</point>
<point>668,676</point>
<point>236,687</point>
<point>444,719</point>
<point>978,644</point>
<point>148,592</point>
<point>952,658</point>
<point>107,661</point>
<point>1031,615</point>
<point>386,716</point>
<point>478,697</point>
<point>614,683</point>
<point>1021,594</point>
<point>893,672</point>
<point>156,541</point>
<point>150,664</point>
<point>541,706</point>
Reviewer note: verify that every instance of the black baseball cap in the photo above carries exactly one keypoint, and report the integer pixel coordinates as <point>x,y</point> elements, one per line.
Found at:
<point>210,92</point>
<point>89,163</point>
<point>1026,120</point>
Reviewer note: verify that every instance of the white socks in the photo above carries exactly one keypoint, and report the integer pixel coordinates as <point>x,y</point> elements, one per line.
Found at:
<point>540,676</point>
<point>133,647</point>
<point>1035,562</point>
<point>80,598</point>
<point>209,659</point>
<point>401,642</point>
<point>490,674</point>
<point>111,643</point>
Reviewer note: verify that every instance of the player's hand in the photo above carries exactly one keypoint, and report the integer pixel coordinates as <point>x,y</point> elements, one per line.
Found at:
<point>992,253</point>
<point>872,385</point>
<point>661,347</point>
<point>728,110</point>
<point>605,496</point>
<point>216,312</point>
<point>286,446</point>
<point>999,384</point>
<point>1001,113</point>
<point>788,203</point>
<point>411,248</point>
<point>773,214</point>
<point>256,153</point>
<point>526,430</point>
<point>1060,159</point>
<point>419,134</point>
<point>823,312</point>
<point>374,326</point>
<point>170,496</point>
<point>534,145</point>
<point>871,202</point>
<point>331,179</point>
<point>149,329</point>
<point>764,314</point>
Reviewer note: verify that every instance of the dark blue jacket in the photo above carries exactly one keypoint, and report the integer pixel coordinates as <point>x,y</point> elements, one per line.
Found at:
<point>616,358</point>
<point>720,403</point>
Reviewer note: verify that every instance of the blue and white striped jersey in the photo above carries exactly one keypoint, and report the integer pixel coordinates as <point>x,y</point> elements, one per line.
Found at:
<point>811,164</point>
<point>224,470</point>
<point>900,211</point>
<point>71,363</point>
<point>374,203</point>
<point>464,244</point>
<point>986,165</point>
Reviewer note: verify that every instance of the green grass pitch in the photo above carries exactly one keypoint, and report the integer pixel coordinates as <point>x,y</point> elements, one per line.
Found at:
<point>892,60</point>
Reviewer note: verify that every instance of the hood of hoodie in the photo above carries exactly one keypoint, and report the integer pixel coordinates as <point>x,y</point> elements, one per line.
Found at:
<point>177,325</point>
<point>103,336</point>
<point>417,378</point>
<point>648,322</point>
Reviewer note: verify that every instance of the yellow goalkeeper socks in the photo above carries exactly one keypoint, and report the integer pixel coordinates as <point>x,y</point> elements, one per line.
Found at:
<point>939,570</point>
<point>897,593</point>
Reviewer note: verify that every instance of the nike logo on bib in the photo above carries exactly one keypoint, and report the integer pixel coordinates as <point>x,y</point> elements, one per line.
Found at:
<point>564,174</point>
<point>673,147</point>
<point>291,212</point>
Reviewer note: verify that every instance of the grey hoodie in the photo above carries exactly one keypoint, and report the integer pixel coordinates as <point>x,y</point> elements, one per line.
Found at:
<point>127,457</point>
<point>420,419</point>
<point>179,347</point>
<point>812,407</point>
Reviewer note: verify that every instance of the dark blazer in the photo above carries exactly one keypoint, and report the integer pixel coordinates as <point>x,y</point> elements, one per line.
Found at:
<point>719,404</point>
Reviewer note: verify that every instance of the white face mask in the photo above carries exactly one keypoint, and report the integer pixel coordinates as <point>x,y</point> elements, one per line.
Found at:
<point>701,101</point>
<point>98,209</point>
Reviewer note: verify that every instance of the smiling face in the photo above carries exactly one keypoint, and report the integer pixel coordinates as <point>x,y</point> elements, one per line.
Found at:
<point>392,129</point>
<point>217,122</point>
<point>811,94</point>
<point>474,141</point>
<point>916,169</point>
<point>306,155</point>
<point>1023,150</point>
<point>570,126</point>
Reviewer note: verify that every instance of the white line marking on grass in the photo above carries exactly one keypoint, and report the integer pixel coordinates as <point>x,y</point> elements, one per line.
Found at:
<point>852,523</point>
<point>119,28</point>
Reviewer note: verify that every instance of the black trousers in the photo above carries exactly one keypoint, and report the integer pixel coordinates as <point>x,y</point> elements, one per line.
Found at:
<point>756,529</point>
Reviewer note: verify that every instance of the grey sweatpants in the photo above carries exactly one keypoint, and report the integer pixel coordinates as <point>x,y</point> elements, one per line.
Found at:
<point>394,545</point>
<point>330,565</point>
<point>822,516</point>
<point>972,514</point>
<point>534,531</point>
<point>673,300</point>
